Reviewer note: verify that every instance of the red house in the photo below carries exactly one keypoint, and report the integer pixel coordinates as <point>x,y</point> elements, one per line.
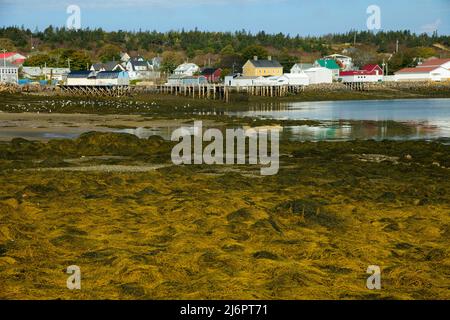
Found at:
<point>368,73</point>
<point>212,74</point>
<point>12,57</point>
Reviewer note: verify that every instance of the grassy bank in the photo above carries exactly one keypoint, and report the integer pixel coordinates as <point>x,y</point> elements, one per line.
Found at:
<point>223,232</point>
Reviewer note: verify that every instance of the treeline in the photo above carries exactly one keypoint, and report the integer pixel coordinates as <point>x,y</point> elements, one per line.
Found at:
<point>214,42</point>
<point>228,50</point>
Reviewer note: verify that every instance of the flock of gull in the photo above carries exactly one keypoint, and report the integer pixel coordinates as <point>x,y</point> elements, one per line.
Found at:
<point>58,105</point>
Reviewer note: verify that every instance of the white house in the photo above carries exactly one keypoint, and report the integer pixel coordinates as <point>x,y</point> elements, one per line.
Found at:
<point>102,78</point>
<point>81,78</point>
<point>318,75</point>
<point>9,73</point>
<point>240,81</point>
<point>431,70</point>
<point>345,61</point>
<point>435,62</point>
<point>368,73</point>
<point>139,69</point>
<point>423,74</point>
<point>187,69</point>
<point>112,78</point>
<point>13,58</point>
<point>107,66</point>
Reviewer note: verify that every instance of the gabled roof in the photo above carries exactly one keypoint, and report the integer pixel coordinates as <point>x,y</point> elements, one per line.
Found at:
<point>370,67</point>
<point>433,63</point>
<point>418,70</point>
<point>6,55</point>
<point>186,66</point>
<point>328,63</point>
<point>138,63</point>
<point>265,63</point>
<point>108,66</point>
<point>81,74</point>
<point>367,70</point>
<point>209,71</point>
<point>108,74</point>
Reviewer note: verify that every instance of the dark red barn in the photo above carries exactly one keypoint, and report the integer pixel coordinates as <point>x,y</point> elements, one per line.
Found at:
<point>212,74</point>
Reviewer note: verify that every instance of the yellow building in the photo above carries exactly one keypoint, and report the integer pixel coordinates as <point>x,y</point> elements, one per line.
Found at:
<point>262,68</point>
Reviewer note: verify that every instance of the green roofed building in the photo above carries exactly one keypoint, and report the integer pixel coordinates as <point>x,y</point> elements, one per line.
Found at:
<point>329,64</point>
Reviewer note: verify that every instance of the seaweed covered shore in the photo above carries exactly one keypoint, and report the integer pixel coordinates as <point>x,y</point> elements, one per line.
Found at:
<point>142,228</point>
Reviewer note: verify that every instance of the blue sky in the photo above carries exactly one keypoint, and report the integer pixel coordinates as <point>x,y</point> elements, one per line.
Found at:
<point>304,17</point>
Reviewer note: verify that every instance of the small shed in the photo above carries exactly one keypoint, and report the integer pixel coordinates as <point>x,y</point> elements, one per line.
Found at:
<point>112,78</point>
<point>81,78</point>
<point>212,74</point>
<point>184,80</point>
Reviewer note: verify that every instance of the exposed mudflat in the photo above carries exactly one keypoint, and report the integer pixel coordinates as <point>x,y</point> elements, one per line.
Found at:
<point>223,232</point>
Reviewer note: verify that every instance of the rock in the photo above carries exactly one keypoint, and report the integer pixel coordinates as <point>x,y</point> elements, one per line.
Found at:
<point>239,215</point>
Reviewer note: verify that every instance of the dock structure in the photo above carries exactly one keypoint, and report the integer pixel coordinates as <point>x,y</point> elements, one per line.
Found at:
<point>222,92</point>
<point>361,86</point>
<point>96,91</point>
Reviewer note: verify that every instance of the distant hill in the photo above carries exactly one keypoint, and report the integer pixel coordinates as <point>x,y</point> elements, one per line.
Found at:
<point>224,49</point>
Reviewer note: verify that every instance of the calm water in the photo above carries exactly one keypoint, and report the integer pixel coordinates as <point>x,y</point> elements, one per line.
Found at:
<point>380,119</point>
<point>426,119</point>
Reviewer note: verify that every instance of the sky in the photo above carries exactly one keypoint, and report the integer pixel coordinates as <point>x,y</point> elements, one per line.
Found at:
<point>303,17</point>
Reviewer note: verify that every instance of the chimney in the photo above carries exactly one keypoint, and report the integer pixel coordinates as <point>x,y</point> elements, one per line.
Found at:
<point>255,58</point>
<point>269,58</point>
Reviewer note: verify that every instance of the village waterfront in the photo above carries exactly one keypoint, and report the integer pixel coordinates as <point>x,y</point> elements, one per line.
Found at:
<point>139,227</point>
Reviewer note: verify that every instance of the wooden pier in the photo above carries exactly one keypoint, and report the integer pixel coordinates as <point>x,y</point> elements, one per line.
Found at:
<point>97,91</point>
<point>222,92</point>
<point>205,91</point>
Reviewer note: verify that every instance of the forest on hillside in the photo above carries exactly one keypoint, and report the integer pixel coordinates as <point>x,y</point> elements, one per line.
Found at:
<point>228,50</point>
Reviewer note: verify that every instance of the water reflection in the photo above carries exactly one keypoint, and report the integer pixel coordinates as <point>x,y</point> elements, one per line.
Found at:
<point>348,120</point>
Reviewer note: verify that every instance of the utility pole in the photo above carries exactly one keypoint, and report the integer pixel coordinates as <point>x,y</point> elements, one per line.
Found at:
<point>4,64</point>
<point>68,62</point>
<point>396,47</point>
<point>4,57</point>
